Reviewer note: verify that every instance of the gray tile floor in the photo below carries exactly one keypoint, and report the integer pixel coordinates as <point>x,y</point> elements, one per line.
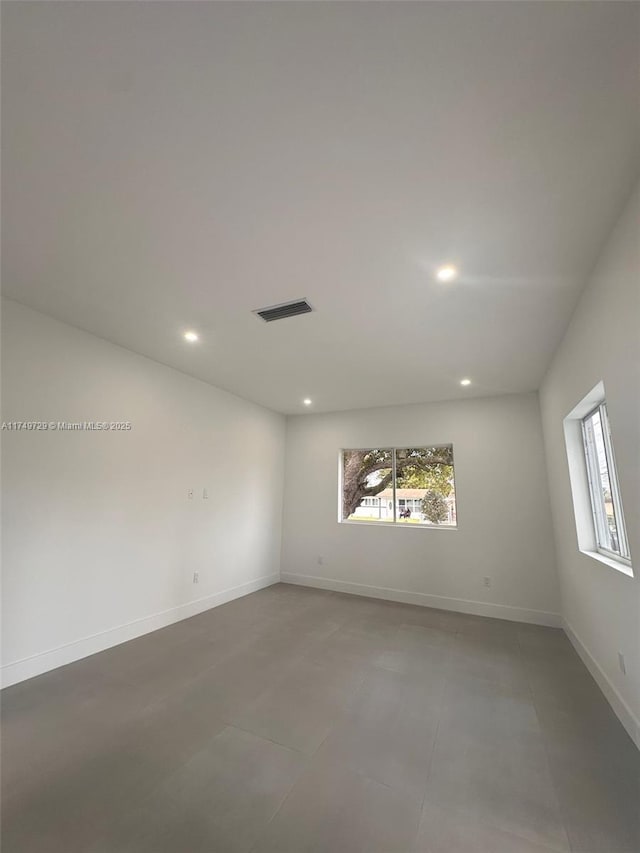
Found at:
<point>299,720</point>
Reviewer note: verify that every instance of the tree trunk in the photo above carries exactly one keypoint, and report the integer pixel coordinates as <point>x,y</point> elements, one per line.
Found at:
<point>352,490</point>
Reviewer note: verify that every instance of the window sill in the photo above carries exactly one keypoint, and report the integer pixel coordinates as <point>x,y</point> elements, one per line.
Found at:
<point>623,568</point>
<point>399,525</point>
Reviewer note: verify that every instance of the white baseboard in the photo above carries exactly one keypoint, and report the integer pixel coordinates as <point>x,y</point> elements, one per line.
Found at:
<point>20,670</point>
<point>459,605</point>
<point>620,707</point>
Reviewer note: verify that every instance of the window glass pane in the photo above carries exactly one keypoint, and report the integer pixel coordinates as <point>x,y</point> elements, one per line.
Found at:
<point>367,474</point>
<point>600,482</point>
<point>425,488</point>
<point>619,533</point>
<point>607,532</point>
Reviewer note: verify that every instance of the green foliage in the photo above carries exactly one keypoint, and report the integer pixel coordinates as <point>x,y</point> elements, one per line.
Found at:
<point>419,457</point>
<point>436,477</point>
<point>434,507</point>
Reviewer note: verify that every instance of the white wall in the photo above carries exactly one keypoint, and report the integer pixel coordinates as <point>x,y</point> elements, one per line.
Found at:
<point>601,606</point>
<point>503,510</point>
<point>98,530</point>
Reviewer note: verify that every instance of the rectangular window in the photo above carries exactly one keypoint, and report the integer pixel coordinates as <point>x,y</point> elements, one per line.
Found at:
<point>606,504</point>
<point>411,486</point>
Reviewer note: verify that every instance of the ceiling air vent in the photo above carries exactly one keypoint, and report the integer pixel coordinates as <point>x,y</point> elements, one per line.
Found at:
<point>287,309</point>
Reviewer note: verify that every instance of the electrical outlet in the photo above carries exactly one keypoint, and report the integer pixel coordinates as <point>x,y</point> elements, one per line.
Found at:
<point>196,577</point>
<point>623,666</point>
<point>205,494</point>
<point>190,494</point>
<point>486,581</point>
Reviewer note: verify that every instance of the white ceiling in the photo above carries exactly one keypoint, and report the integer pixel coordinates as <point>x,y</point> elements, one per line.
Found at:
<point>176,165</point>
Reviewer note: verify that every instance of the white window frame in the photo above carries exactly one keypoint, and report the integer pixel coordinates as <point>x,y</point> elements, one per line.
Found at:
<point>600,522</point>
<point>586,524</point>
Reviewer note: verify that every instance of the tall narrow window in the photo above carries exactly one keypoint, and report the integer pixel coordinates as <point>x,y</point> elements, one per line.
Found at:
<point>410,486</point>
<point>606,504</point>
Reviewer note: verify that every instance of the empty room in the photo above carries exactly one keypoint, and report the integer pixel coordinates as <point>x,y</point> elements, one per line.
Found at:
<point>320,427</point>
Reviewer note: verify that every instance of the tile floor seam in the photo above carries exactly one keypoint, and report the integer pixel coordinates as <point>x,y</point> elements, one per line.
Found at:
<point>153,790</point>
<point>278,810</point>
<point>430,763</point>
<point>490,825</point>
<point>545,746</point>
<point>267,739</point>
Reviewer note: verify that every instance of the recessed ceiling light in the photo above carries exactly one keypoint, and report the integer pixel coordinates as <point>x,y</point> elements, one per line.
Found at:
<point>446,273</point>
<point>307,401</point>
<point>465,382</point>
<point>192,337</point>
